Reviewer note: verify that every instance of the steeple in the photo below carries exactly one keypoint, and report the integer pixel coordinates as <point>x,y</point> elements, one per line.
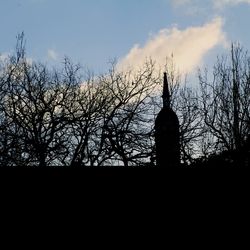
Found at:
<point>166,93</point>
<point>167,135</point>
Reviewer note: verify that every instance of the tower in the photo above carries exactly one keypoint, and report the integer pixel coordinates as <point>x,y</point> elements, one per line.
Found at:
<point>167,135</point>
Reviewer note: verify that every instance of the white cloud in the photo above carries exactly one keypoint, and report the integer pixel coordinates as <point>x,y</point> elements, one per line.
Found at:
<point>191,7</point>
<point>188,46</point>
<point>222,3</point>
<point>180,2</point>
<point>215,3</point>
<point>52,55</point>
<point>4,56</point>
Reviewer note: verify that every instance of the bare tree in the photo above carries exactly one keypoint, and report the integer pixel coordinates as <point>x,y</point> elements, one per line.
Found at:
<point>58,117</point>
<point>37,108</point>
<point>226,100</point>
<point>114,125</point>
<point>130,120</point>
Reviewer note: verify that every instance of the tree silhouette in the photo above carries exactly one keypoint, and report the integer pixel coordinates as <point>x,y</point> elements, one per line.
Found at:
<point>225,101</point>
<point>69,117</point>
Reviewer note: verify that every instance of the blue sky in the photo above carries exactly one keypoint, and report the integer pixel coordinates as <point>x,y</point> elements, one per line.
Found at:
<point>93,32</point>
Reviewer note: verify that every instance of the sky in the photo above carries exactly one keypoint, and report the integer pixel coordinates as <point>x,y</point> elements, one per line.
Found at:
<point>95,32</point>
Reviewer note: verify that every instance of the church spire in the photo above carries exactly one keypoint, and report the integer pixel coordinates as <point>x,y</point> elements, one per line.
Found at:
<point>166,93</point>
<point>167,134</point>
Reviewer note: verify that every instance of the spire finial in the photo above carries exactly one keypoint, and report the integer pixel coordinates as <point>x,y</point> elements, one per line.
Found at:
<point>166,93</point>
